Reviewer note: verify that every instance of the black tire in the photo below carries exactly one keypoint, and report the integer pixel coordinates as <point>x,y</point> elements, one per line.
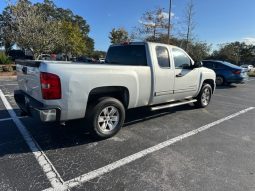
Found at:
<point>97,114</point>
<point>202,101</point>
<point>220,81</point>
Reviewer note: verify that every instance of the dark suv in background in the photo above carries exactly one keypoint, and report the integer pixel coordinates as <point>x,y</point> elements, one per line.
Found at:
<point>226,73</point>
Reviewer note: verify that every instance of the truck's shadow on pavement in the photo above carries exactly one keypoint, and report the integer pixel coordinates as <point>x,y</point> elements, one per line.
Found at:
<point>227,86</point>
<point>54,136</point>
<point>144,114</point>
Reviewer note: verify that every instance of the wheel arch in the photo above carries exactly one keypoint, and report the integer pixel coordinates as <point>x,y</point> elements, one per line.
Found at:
<point>211,83</point>
<point>119,92</point>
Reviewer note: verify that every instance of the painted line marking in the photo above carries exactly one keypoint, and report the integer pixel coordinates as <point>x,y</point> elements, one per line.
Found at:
<point>9,119</point>
<point>8,80</point>
<point>9,95</point>
<point>108,168</point>
<point>9,85</point>
<point>51,173</point>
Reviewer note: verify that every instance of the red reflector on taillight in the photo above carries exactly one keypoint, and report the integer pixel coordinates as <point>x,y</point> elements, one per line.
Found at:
<point>237,72</point>
<point>50,85</point>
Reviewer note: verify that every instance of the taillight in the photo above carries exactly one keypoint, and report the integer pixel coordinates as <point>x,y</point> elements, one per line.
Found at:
<point>236,72</point>
<point>50,85</point>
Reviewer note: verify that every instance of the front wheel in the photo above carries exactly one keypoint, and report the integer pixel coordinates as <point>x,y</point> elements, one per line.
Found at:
<point>204,97</point>
<point>107,117</point>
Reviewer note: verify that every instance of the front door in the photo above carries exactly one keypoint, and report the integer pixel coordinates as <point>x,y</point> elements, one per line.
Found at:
<point>186,78</point>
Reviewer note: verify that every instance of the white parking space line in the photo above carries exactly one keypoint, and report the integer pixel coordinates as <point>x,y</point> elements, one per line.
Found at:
<point>9,119</point>
<point>108,168</point>
<point>9,95</point>
<point>5,119</point>
<point>8,85</point>
<point>8,80</point>
<point>48,168</point>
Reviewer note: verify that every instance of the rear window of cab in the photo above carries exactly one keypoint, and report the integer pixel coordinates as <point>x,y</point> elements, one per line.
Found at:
<point>129,55</point>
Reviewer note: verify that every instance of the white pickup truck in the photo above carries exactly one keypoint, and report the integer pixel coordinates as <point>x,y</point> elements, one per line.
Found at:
<point>133,75</point>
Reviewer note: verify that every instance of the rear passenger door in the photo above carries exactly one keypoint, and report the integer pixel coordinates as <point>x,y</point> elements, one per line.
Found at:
<point>186,78</point>
<point>163,74</point>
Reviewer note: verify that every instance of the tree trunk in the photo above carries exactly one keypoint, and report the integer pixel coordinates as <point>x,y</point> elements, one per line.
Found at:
<point>188,32</point>
<point>154,33</point>
<point>36,55</point>
<point>189,20</point>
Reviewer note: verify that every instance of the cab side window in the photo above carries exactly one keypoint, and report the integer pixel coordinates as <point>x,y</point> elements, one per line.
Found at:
<point>181,60</point>
<point>163,57</point>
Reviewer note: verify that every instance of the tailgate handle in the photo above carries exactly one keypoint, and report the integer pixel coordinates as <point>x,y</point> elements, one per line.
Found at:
<point>24,70</point>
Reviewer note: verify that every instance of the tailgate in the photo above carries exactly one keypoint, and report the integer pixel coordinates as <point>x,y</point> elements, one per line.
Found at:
<point>28,76</point>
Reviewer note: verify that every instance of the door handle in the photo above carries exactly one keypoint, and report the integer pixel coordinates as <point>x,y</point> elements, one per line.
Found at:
<point>179,75</point>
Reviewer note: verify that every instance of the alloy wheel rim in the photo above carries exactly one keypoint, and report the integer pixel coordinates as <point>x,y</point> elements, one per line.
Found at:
<point>206,96</point>
<point>219,80</point>
<point>108,119</point>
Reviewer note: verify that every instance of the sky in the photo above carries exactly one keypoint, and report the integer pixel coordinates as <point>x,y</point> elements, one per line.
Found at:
<point>216,21</point>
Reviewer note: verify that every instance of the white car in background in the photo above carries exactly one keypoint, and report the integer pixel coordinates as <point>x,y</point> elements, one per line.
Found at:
<point>102,60</point>
<point>247,67</point>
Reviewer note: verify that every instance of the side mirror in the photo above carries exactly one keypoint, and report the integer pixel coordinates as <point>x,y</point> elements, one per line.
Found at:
<point>198,64</point>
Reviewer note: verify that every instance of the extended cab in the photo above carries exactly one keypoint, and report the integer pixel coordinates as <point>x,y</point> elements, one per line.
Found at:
<point>133,75</point>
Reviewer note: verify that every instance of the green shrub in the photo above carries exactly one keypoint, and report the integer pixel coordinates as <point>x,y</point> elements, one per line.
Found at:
<point>4,59</point>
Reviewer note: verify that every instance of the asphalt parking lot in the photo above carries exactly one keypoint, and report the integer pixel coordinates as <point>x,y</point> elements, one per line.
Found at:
<point>181,148</point>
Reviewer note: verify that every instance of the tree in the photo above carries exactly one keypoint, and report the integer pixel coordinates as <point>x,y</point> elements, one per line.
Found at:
<point>189,24</point>
<point>1,30</point>
<point>118,35</point>
<point>39,28</point>
<point>153,24</point>
<point>235,52</point>
<point>6,29</point>
<point>33,31</point>
<point>66,15</point>
<point>61,14</point>
<point>247,54</point>
<point>98,54</point>
<point>89,43</point>
<point>74,43</point>
<point>199,50</point>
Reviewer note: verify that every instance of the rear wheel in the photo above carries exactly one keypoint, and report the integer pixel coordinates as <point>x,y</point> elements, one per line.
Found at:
<point>204,97</point>
<point>219,80</point>
<point>107,117</point>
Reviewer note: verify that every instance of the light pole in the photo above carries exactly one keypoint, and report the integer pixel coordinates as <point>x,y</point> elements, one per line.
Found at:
<point>169,21</point>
